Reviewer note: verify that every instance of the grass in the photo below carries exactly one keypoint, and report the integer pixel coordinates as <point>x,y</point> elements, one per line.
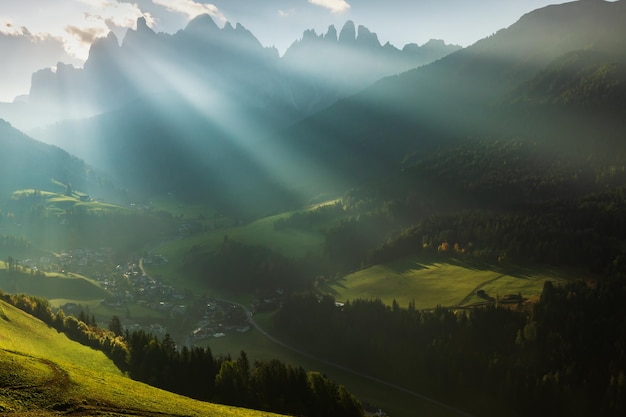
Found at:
<point>58,203</point>
<point>290,243</point>
<point>432,282</point>
<point>51,286</point>
<point>42,372</point>
<point>199,211</point>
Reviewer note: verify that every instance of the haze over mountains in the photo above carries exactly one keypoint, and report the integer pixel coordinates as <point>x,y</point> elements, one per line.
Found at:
<point>194,103</point>
<point>203,63</point>
<point>484,188</point>
<point>210,112</point>
<point>555,76</point>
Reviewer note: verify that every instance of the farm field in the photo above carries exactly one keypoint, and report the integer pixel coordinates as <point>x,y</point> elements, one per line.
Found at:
<point>432,282</point>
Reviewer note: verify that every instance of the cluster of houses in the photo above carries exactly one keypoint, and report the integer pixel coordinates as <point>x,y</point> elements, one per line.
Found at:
<point>129,285</point>
<point>80,261</point>
<point>220,318</point>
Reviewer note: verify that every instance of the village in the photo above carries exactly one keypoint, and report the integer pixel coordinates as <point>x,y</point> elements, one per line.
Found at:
<point>144,302</point>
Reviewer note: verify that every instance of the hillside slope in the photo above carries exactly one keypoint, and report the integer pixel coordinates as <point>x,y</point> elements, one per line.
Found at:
<point>496,88</point>
<point>43,373</point>
<point>28,163</point>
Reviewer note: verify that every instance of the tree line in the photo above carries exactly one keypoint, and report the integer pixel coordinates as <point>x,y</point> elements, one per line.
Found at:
<point>565,357</point>
<point>583,232</point>
<point>195,372</point>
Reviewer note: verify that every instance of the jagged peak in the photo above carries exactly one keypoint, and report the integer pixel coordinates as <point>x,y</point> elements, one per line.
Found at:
<point>348,32</point>
<point>112,39</point>
<point>309,35</point>
<point>104,42</point>
<point>365,36</point>
<point>142,31</point>
<point>62,68</point>
<point>143,28</point>
<point>331,34</point>
<point>203,22</point>
<point>435,42</point>
<point>142,25</point>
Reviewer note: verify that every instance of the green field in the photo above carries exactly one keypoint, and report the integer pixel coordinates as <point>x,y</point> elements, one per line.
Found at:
<point>433,282</point>
<point>58,204</point>
<point>290,243</point>
<point>51,286</point>
<point>42,373</point>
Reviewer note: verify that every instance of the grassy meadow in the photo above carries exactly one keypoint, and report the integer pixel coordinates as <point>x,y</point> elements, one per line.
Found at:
<point>57,204</point>
<point>290,243</point>
<point>51,285</point>
<point>445,282</point>
<point>42,373</point>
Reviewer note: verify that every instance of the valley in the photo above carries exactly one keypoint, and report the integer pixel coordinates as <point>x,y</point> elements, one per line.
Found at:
<point>193,223</point>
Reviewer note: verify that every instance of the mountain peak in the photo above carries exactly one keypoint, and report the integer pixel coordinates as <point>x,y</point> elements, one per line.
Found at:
<point>309,35</point>
<point>108,43</point>
<point>142,25</point>
<point>139,37</point>
<point>366,37</point>
<point>331,34</point>
<point>201,23</point>
<point>348,32</point>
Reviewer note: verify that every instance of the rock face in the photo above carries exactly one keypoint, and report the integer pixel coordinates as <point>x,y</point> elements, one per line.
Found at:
<point>211,61</point>
<point>324,68</point>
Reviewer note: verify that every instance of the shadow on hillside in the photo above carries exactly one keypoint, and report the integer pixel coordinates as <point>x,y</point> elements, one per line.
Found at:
<point>327,288</point>
<point>413,264</point>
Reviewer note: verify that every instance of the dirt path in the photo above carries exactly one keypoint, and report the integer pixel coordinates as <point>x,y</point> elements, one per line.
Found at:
<point>59,377</point>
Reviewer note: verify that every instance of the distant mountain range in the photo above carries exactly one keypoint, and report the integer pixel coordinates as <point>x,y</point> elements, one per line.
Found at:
<point>556,76</point>
<point>195,104</point>
<point>205,63</point>
<point>227,120</point>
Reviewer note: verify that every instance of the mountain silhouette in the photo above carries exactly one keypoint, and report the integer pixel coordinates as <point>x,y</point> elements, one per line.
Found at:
<point>497,88</point>
<point>322,69</point>
<point>205,60</point>
<point>229,126</point>
<point>26,163</point>
<point>196,104</point>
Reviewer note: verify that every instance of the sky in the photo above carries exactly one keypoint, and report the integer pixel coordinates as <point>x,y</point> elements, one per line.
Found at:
<point>37,34</point>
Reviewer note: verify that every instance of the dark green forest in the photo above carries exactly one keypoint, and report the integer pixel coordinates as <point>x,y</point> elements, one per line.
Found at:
<point>563,358</point>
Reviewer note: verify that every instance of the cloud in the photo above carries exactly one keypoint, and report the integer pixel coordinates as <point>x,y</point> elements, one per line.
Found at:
<point>8,28</point>
<point>97,20</point>
<point>113,12</point>
<point>191,8</point>
<point>23,54</point>
<point>84,35</point>
<point>74,23</point>
<point>335,6</point>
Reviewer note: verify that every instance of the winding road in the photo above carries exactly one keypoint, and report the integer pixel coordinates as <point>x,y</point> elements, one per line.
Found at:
<point>414,394</point>
<point>343,368</point>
